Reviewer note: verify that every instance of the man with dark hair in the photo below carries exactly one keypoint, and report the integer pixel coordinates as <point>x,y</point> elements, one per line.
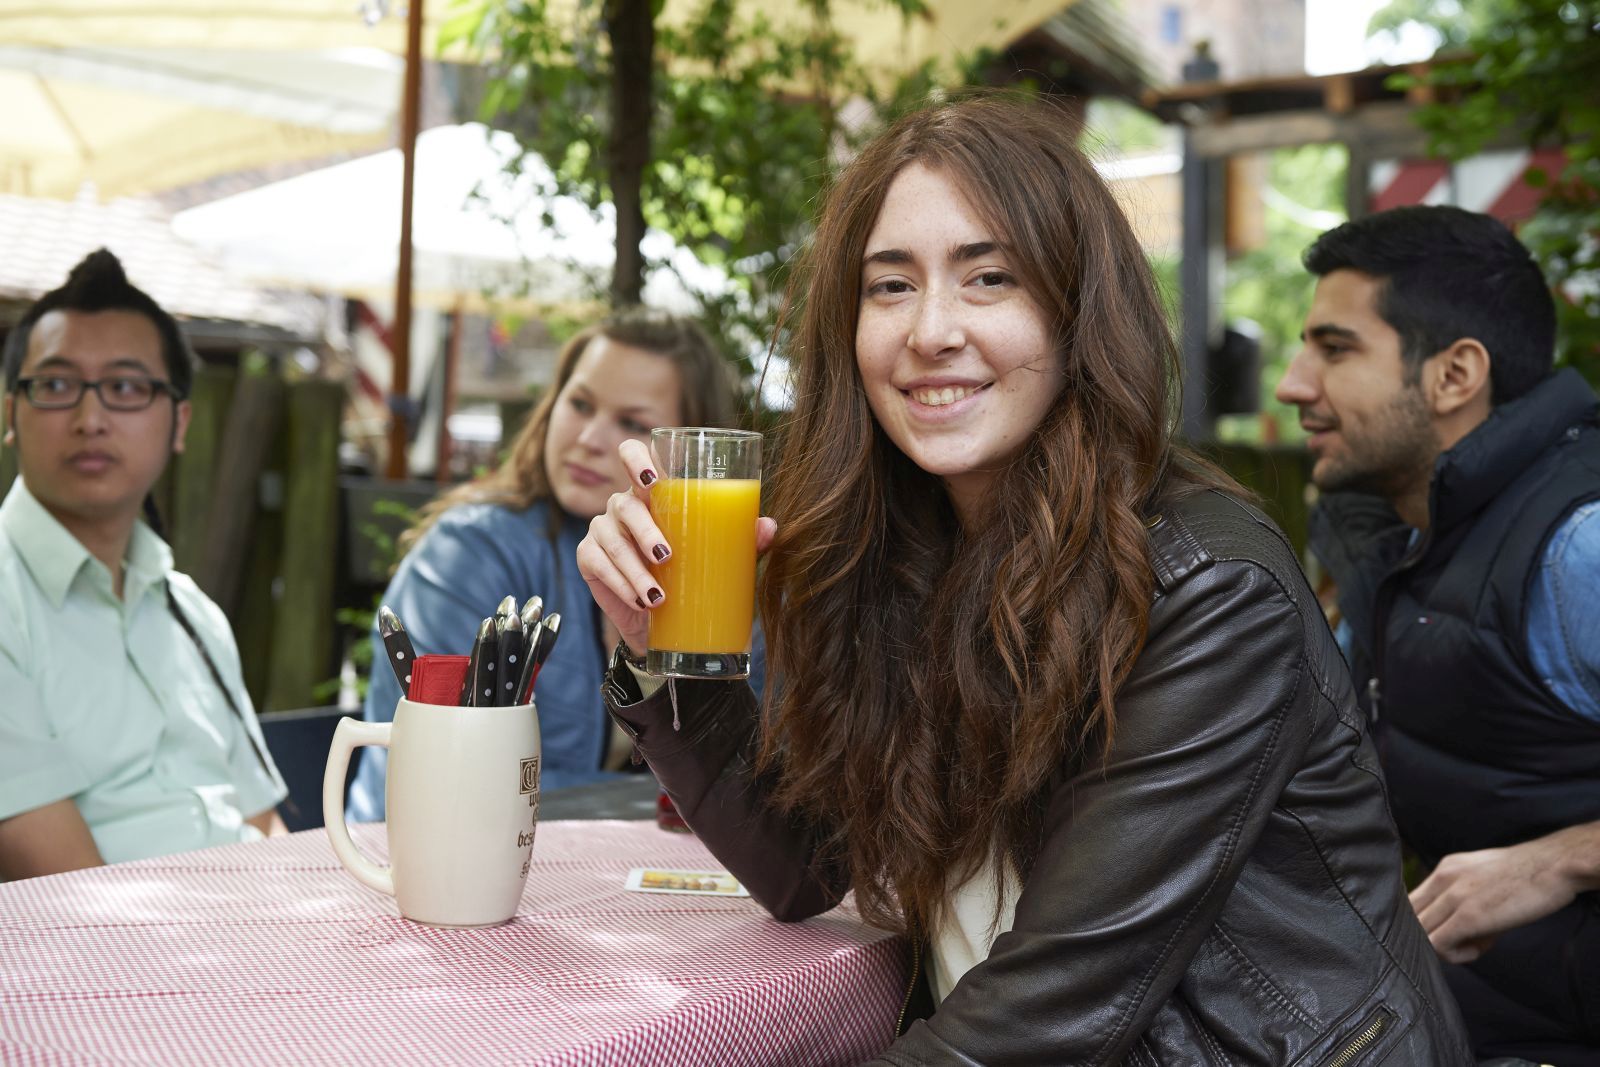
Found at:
<point>125,728</point>
<point>1460,520</point>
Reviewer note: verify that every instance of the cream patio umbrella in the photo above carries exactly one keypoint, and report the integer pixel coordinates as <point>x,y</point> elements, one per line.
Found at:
<point>261,25</point>
<point>882,37</point>
<point>336,230</point>
<point>141,120</point>
<point>887,42</point>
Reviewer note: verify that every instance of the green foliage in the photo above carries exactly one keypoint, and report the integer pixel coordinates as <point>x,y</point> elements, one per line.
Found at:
<point>383,541</point>
<point>1166,268</point>
<point>353,624</point>
<point>1454,21</point>
<point>742,134</point>
<point>1532,68</point>
<point>1268,285</point>
<point>1116,127</point>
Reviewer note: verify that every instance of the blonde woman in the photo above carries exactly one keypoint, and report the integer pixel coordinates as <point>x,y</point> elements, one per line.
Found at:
<point>515,531</point>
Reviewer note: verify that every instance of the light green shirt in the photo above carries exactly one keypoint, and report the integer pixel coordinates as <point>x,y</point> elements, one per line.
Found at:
<point>108,701</point>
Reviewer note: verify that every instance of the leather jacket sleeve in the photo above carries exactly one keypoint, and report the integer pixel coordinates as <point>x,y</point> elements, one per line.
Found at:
<point>1144,849</point>
<point>706,767</point>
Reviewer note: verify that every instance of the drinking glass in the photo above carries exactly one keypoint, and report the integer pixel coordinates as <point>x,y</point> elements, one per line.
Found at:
<point>705,503</point>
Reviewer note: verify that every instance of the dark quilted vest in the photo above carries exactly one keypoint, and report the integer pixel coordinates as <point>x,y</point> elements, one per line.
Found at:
<point>1478,753</point>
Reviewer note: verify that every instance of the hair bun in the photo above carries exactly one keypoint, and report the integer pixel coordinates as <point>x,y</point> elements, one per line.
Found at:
<point>100,267</point>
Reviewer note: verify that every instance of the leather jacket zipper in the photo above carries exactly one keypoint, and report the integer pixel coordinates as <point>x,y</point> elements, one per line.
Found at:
<point>1376,1025</point>
<point>911,986</point>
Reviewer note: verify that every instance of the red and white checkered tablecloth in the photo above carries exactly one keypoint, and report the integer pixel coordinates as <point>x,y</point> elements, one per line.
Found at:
<point>269,953</point>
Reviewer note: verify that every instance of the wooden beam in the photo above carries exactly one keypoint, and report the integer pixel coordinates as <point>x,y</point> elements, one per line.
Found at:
<point>302,641</point>
<point>253,627</point>
<point>1358,182</point>
<point>1386,129</point>
<point>1339,94</point>
<point>193,471</point>
<point>1244,224</point>
<point>452,367</point>
<point>1422,91</point>
<point>1389,126</point>
<point>410,121</point>
<point>247,438</point>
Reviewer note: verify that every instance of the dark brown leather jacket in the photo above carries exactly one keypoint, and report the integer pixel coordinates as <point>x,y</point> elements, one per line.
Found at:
<point>1224,890</point>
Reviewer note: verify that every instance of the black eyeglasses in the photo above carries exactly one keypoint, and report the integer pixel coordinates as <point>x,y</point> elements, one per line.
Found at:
<point>119,392</point>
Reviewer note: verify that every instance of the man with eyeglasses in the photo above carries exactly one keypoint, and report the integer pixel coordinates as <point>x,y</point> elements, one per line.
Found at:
<point>125,728</point>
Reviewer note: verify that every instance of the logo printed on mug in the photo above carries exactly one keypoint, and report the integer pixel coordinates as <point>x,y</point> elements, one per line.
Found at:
<point>530,775</point>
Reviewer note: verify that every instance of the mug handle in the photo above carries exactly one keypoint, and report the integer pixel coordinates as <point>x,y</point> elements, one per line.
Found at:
<point>349,734</point>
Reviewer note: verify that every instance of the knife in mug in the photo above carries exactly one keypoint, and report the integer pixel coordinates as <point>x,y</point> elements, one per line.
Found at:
<point>398,646</point>
<point>513,651</point>
<point>532,610</point>
<point>544,640</point>
<point>485,654</point>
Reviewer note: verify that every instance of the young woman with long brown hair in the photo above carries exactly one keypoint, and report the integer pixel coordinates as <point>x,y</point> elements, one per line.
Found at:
<point>1047,695</point>
<point>514,531</point>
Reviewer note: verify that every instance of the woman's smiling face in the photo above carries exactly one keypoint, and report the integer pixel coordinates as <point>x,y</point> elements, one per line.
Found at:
<point>956,357</point>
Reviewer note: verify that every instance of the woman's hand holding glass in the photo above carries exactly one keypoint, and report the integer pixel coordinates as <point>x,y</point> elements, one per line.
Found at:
<point>614,558</point>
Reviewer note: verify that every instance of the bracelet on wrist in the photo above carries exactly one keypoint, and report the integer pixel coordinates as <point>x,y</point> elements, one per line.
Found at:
<point>624,654</point>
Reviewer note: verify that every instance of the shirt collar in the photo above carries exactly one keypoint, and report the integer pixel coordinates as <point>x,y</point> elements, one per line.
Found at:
<point>54,557</point>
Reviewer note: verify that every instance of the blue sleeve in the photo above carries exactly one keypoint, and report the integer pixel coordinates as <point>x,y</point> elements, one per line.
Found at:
<point>446,585</point>
<point>1563,627</point>
<point>1344,637</point>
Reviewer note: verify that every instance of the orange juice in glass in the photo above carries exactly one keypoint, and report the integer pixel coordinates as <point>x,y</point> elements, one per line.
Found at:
<point>705,503</point>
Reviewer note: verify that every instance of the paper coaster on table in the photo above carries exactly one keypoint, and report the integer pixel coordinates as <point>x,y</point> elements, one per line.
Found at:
<point>700,883</point>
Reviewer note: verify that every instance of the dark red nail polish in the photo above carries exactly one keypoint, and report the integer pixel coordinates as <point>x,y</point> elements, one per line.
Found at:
<point>660,552</point>
<point>639,602</point>
<point>654,595</point>
<point>646,477</point>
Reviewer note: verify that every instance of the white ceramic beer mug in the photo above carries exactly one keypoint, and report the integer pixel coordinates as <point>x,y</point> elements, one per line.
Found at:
<point>463,802</point>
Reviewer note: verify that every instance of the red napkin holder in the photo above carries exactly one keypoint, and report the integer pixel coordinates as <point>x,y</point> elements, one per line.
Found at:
<point>438,679</point>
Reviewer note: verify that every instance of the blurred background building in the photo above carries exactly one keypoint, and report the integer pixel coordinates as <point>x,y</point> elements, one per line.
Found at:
<point>246,164</point>
<point>1248,38</point>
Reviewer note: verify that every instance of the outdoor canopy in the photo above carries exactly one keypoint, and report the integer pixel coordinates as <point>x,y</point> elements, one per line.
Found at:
<point>143,95</point>
<point>884,39</point>
<point>480,235</point>
<point>140,120</point>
